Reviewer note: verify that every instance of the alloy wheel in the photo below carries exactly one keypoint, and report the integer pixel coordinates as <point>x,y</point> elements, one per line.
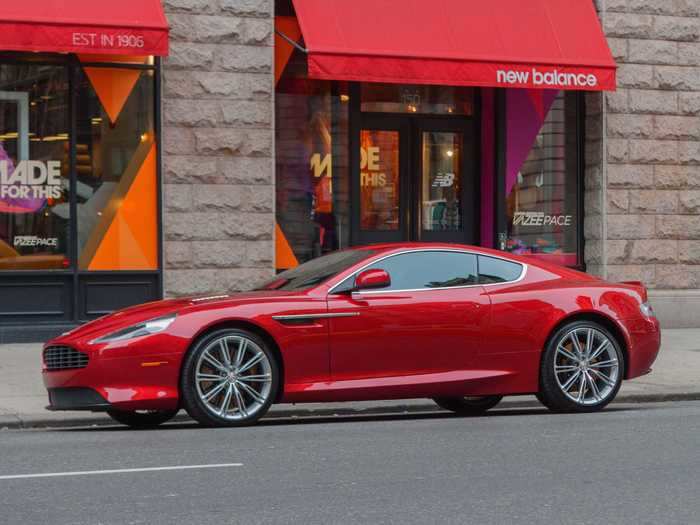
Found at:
<point>586,366</point>
<point>233,377</point>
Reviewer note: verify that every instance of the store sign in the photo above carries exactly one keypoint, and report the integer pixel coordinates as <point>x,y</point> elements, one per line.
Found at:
<point>30,179</point>
<point>32,241</point>
<point>321,167</point>
<point>444,180</point>
<point>26,187</point>
<point>538,218</point>
<point>553,79</point>
<point>370,176</point>
<point>108,40</point>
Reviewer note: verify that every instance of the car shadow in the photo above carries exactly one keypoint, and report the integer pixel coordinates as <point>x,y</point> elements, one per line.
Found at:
<point>184,423</point>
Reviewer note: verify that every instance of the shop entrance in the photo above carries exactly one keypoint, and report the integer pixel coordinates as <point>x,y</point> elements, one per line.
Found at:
<point>415,179</point>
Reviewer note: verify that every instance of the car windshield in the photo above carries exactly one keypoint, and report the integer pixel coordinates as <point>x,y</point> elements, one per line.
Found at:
<point>316,271</point>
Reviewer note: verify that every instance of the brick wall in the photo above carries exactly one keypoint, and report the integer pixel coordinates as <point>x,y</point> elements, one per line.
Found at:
<point>218,145</point>
<point>652,196</point>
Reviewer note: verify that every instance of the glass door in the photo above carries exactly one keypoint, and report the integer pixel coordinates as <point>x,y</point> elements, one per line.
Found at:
<point>382,184</point>
<point>414,180</point>
<point>445,210</point>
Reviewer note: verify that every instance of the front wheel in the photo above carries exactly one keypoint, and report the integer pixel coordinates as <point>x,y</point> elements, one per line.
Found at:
<point>582,368</point>
<point>229,379</point>
<point>142,418</point>
<point>468,406</point>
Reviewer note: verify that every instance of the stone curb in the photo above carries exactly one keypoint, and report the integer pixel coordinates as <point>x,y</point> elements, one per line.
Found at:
<point>13,422</point>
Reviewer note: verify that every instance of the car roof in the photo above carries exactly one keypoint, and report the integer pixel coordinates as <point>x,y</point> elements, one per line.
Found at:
<point>387,248</point>
<point>398,246</point>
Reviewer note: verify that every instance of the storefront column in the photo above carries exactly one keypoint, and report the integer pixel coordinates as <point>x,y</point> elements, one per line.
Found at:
<point>594,190</point>
<point>218,146</point>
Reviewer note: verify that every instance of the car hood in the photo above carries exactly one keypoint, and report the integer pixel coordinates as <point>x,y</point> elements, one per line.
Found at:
<point>138,314</point>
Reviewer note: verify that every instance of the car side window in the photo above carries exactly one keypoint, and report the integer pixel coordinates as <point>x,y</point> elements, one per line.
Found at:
<point>493,270</point>
<point>418,270</point>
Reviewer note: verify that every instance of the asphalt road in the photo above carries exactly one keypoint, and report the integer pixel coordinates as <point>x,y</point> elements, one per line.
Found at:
<point>630,464</point>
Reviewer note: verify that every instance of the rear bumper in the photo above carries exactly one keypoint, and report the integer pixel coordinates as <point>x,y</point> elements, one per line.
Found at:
<point>644,345</point>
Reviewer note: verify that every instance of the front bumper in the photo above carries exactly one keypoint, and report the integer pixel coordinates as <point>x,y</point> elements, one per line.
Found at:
<point>137,375</point>
<point>77,399</point>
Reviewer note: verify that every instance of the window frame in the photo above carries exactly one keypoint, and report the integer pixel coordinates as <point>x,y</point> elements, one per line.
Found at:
<point>75,282</point>
<point>73,66</point>
<point>350,279</point>
<point>500,228</point>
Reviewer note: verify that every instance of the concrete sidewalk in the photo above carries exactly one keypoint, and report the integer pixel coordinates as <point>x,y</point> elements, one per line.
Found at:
<point>676,375</point>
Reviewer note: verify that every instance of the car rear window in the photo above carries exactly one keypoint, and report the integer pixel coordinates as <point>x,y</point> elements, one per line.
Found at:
<point>493,270</point>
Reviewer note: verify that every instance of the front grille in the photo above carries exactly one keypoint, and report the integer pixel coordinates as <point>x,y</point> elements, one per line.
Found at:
<point>64,357</point>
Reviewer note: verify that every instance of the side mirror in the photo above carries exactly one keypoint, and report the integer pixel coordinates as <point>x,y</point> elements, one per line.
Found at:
<point>372,279</point>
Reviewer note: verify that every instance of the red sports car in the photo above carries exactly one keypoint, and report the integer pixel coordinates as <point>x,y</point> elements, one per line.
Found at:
<point>464,326</point>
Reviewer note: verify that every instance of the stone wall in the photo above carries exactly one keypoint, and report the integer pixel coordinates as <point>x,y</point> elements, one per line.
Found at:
<point>218,145</point>
<point>593,177</point>
<point>653,144</point>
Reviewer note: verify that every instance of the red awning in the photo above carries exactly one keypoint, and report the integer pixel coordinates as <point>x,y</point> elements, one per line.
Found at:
<point>123,27</point>
<point>553,44</point>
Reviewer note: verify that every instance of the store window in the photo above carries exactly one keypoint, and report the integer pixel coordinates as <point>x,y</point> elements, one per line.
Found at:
<point>426,100</point>
<point>115,191</point>
<point>116,170</point>
<point>34,167</point>
<point>312,165</point>
<point>542,175</point>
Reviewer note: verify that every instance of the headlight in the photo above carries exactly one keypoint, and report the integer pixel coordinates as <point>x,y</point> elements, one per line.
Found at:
<point>152,326</point>
<point>646,310</point>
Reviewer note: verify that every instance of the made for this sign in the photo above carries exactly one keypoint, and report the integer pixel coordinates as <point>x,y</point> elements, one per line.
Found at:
<point>30,179</point>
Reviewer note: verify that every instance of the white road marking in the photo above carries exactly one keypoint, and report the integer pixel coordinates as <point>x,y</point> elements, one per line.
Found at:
<point>118,471</point>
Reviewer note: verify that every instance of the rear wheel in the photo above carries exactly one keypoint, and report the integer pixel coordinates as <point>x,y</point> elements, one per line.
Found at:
<point>142,418</point>
<point>229,379</point>
<point>582,368</point>
<point>469,405</point>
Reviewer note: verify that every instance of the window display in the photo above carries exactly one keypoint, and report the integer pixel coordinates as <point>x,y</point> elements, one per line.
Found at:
<point>311,166</point>
<point>116,170</point>
<point>34,168</point>
<point>541,175</point>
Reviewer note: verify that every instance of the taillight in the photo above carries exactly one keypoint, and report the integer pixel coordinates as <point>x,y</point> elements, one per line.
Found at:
<point>647,310</point>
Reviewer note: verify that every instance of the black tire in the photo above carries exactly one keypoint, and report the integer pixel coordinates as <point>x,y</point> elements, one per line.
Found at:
<point>542,400</point>
<point>197,408</point>
<point>468,406</point>
<point>142,418</point>
<point>552,394</point>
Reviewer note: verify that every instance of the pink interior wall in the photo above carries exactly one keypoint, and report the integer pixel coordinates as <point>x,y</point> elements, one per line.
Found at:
<point>526,111</point>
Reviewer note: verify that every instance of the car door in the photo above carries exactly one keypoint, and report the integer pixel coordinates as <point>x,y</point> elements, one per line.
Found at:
<point>430,319</point>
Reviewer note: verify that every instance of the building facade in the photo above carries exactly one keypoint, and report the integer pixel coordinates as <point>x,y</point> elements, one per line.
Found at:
<point>643,153</point>
<point>233,158</point>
